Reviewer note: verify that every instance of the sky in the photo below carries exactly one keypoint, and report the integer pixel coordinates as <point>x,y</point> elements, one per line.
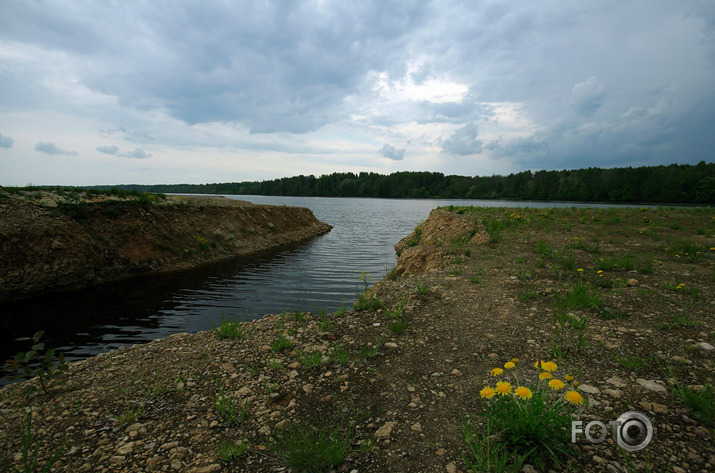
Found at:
<point>147,92</point>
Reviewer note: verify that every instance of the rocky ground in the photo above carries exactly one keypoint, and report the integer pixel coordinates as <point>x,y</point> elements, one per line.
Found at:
<point>473,289</point>
<point>55,240</point>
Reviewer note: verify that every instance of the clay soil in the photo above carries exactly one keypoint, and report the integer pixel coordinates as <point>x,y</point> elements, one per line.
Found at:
<point>473,289</point>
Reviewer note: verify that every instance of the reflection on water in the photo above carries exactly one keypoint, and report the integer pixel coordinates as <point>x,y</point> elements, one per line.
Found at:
<point>321,273</point>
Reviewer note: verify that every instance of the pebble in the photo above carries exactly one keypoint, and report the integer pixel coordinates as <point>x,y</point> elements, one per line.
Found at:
<point>705,346</point>
<point>652,385</point>
<point>451,467</point>
<point>417,427</point>
<point>385,431</point>
<point>587,388</point>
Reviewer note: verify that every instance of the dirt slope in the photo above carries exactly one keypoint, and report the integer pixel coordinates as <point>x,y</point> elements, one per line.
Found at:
<point>48,243</point>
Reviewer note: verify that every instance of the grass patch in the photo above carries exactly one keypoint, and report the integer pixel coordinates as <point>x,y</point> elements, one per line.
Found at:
<point>485,453</point>
<point>701,402</point>
<point>228,328</point>
<point>312,360</point>
<point>307,449</point>
<point>581,297</point>
<point>230,451</point>
<point>369,302</point>
<point>227,407</point>
<point>281,343</point>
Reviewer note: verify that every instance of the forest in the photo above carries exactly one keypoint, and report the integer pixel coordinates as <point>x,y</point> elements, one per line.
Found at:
<point>675,183</point>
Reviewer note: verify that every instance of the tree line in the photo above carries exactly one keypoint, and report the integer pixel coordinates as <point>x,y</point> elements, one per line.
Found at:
<point>675,183</point>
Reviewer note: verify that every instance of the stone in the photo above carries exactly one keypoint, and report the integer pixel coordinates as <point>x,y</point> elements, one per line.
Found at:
<point>206,469</point>
<point>587,388</point>
<point>417,427</point>
<point>660,408</point>
<point>385,431</point>
<point>456,372</point>
<point>705,346</point>
<point>308,388</point>
<point>632,282</point>
<point>451,467</point>
<point>392,345</point>
<point>613,393</point>
<point>652,385</point>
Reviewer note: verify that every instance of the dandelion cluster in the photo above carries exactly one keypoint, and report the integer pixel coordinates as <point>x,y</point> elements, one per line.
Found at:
<point>545,371</point>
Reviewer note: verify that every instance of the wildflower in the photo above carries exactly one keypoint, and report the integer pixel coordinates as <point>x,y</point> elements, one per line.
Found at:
<point>580,270</point>
<point>569,378</point>
<point>515,360</point>
<point>537,363</point>
<point>523,392</point>
<point>497,371</point>
<point>503,388</point>
<point>488,392</point>
<point>574,397</point>
<point>556,384</point>
<point>576,383</point>
<point>545,375</point>
<point>549,366</point>
<point>509,365</point>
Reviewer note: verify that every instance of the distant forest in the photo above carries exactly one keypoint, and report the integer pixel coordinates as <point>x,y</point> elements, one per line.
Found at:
<point>676,183</point>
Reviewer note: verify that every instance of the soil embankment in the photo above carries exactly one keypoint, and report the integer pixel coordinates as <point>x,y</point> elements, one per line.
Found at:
<point>51,242</point>
<point>621,299</point>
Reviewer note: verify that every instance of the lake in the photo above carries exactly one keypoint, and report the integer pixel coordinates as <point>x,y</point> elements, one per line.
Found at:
<point>320,274</point>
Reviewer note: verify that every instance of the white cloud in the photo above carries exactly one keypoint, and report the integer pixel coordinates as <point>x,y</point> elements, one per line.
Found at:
<point>136,153</point>
<point>588,96</point>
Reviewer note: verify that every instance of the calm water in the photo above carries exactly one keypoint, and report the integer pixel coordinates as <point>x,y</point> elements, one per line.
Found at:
<point>322,273</point>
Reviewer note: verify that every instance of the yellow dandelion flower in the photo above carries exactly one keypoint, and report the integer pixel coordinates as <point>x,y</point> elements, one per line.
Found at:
<point>488,392</point>
<point>574,397</point>
<point>545,375</point>
<point>515,360</point>
<point>580,270</point>
<point>537,363</point>
<point>556,384</point>
<point>569,378</point>
<point>523,392</point>
<point>509,365</point>
<point>549,366</point>
<point>576,383</point>
<point>503,388</point>
<point>600,271</point>
<point>497,371</point>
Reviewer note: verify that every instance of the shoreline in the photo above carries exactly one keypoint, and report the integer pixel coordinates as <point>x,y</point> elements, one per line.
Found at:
<point>472,289</point>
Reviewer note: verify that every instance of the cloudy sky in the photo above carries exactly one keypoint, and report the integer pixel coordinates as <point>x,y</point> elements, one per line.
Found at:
<point>111,92</point>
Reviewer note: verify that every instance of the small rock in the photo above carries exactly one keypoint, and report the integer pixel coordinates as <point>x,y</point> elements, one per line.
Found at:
<point>417,427</point>
<point>652,385</point>
<point>705,346</point>
<point>392,345</point>
<point>308,388</point>
<point>385,431</point>
<point>451,467</point>
<point>632,282</point>
<point>660,408</point>
<point>677,469</point>
<point>587,388</point>
<point>456,372</point>
<point>206,469</point>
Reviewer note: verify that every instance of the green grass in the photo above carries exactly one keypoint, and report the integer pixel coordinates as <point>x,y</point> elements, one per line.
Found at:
<point>231,329</point>
<point>281,343</point>
<point>630,362</point>
<point>701,403</point>
<point>227,407</point>
<point>229,451</point>
<point>483,453</point>
<point>397,326</point>
<point>306,449</point>
<point>529,294</point>
<point>581,297</point>
<point>339,355</point>
<point>370,302</point>
<point>312,360</point>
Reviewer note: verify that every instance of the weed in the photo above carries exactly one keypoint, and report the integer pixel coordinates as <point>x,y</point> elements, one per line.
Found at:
<point>231,329</point>
<point>397,326</point>
<point>529,294</point>
<point>486,454</point>
<point>229,451</point>
<point>423,290</point>
<point>676,321</point>
<point>129,416</point>
<point>338,355</point>
<point>370,302</point>
<point>304,448</point>
<point>312,360</point>
<point>227,407</point>
<point>281,343</point>
<point>581,297</point>
<point>534,422</point>
<point>37,362</point>
<point>611,314</point>
<point>31,450</point>
<point>701,402</point>
<point>632,362</point>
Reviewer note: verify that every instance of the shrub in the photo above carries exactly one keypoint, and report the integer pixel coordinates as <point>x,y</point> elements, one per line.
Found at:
<point>37,362</point>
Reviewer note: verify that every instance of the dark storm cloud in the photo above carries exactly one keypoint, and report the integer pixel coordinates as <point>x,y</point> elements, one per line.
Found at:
<point>5,141</point>
<point>464,141</point>
<point>390,152</point>
<point>108,149</point>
